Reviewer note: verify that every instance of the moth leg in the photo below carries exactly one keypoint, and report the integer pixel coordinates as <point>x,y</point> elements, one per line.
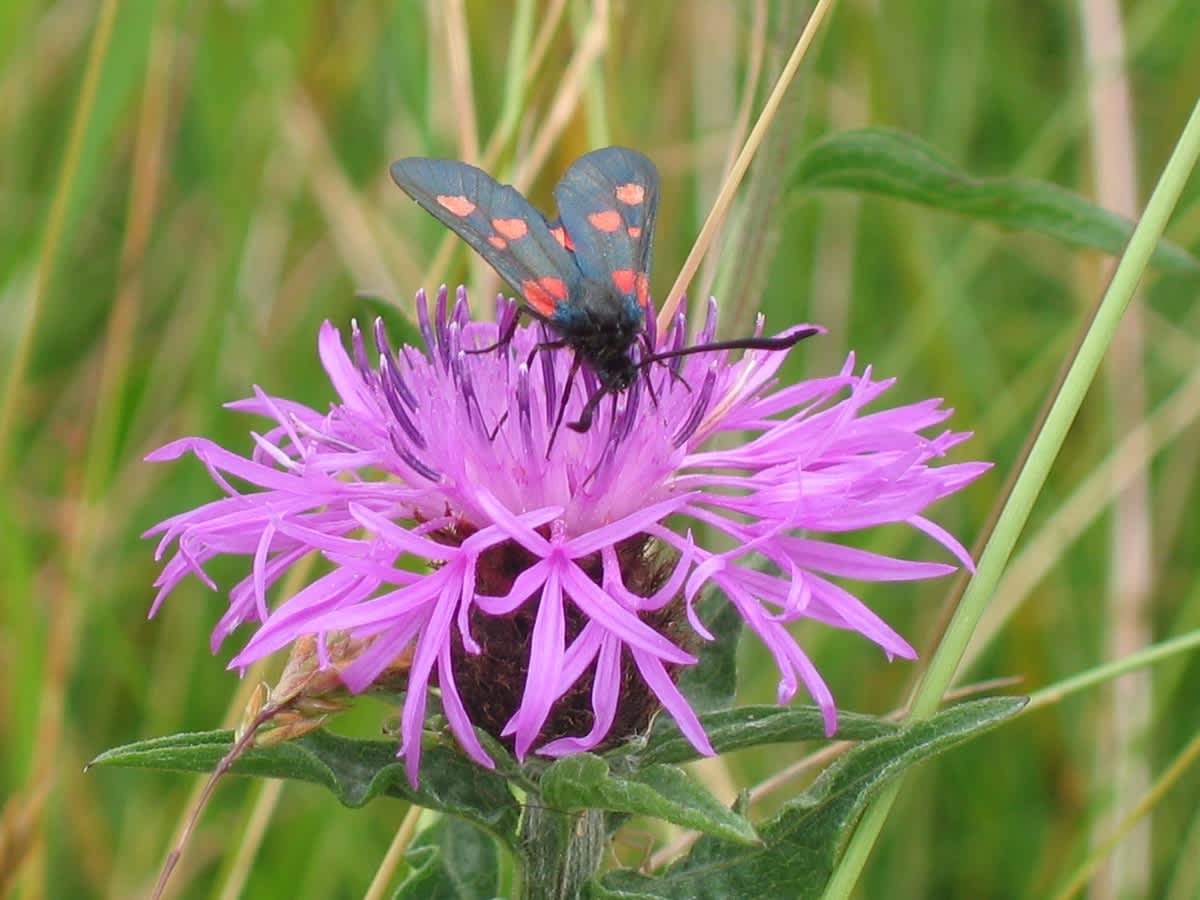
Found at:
<point>562,406</point>
<point>676,376</point>
<point>504,340</point>
<point>650,387</point>
<point>589,410</point>
<point>544,345</point>
<point>651,357</point>
<point>500,424</point>
<point>586,421</point>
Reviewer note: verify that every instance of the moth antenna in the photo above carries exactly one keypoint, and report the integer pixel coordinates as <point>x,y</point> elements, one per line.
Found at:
<point>776,343</point>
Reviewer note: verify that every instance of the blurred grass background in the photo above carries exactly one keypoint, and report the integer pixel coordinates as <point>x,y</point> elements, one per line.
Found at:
<point>188,189</point>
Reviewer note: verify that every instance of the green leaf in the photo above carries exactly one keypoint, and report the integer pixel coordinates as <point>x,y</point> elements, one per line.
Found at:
<point>711,683</point>
<point>751,726</point>
<point>451,861</point>
<point>584,781</point>
<point>355,770</point>
<point>894,164</point>
<point>802,843</point>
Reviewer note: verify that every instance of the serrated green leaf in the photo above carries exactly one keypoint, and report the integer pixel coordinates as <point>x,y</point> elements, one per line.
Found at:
<point>893,164</point>
<point>752,726</point>
<point>584,781</point>
<point>802,843</point>
<point>451,861</point>
<point>356,771</point>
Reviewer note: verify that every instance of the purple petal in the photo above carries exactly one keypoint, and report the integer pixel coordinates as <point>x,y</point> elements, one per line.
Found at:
<point>673,701</point>
<point>606,691</point>
<point>438,455</point>
<point>456,713</point>
<point>850,562</point>
<point>545,659</point>
<point>600,608</point>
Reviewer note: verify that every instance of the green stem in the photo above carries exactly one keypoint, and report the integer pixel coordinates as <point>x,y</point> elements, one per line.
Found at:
<point>1110,671</point>
<point>515,80</point>
<point>561,851</point>
<point>11,396</point>
<point>596,107</point>
<point>1011,522</point>
<point>1169,779</point>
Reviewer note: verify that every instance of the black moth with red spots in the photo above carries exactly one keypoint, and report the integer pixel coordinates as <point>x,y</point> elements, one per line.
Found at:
<point>586,274</point>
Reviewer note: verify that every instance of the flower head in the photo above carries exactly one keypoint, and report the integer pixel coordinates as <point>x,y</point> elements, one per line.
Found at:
<point>548,595</point>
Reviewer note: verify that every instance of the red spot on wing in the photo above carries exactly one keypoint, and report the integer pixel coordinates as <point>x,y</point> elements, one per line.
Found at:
<point>555,287</point>
<point>498,242</point>
<point>564,239</point>
<point>535,295</point>
<point>631,194</point>
<point>635,231</point>
<point>608,220</point>
<point>643,288</point>
<point>625,280</point>
<point>513,229</point>
<point>544,293</point>
<point>455,205</point>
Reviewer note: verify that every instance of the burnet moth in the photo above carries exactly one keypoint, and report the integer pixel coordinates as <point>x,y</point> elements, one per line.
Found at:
<point>586,273</point>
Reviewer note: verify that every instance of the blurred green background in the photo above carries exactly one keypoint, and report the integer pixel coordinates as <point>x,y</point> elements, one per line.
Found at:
<point>188,189</point>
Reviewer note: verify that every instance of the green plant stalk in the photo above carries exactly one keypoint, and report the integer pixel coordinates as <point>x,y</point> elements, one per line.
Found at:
<point>596,107</point>
<point>560,851</point>
<point>11,395</point>
<point>514,72</point>
<point>1169,779</point>
<point>1110,671</point>
<point>1015,514</point>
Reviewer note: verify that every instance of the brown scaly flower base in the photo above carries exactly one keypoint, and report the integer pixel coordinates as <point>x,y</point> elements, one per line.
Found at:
<point>492,682</point>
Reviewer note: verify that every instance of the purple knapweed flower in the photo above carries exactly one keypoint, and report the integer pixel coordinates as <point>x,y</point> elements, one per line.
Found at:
<point>548,595</point>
